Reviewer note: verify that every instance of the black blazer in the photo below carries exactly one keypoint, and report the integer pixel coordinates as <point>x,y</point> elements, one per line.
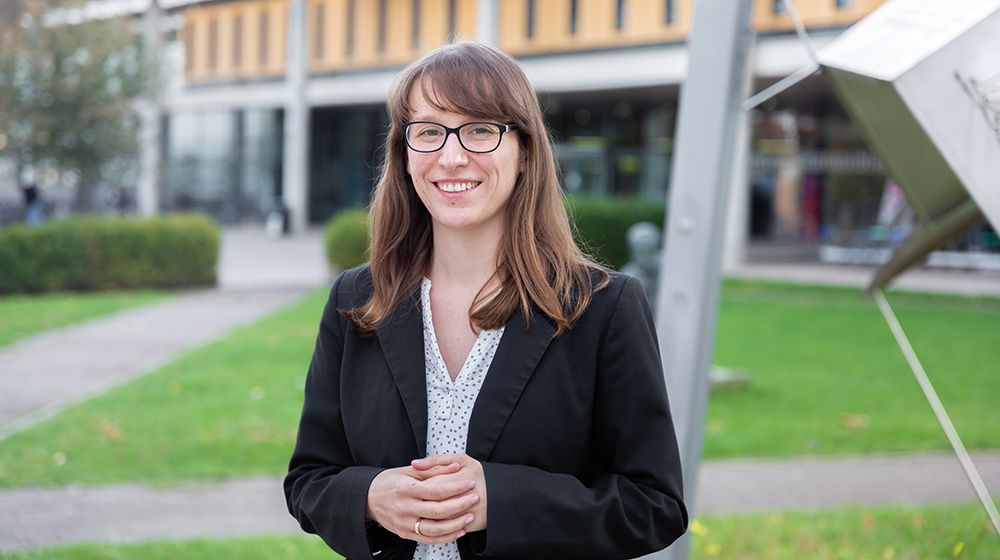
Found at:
<point>574,433</point>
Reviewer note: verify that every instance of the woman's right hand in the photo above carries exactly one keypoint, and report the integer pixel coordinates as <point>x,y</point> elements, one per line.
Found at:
<point>398,498</point>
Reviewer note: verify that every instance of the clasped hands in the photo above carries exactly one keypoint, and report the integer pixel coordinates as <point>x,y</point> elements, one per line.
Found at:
<point>445,493</point>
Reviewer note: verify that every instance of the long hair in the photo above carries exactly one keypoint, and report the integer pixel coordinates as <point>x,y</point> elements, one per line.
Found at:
<point>538,263</point>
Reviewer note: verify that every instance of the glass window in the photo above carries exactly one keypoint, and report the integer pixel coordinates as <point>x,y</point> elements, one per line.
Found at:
<point>382,15</point>
<point>350,27</point>
<point>344,157</point>
<point>238,41</point>
<point>262,54</point>
<point>320,30</point>
<point>416,24</point>
<point>530,31</point>
<point>213,44</point>
<point>452,11</point>
<point>224,163</point>
<point>189,47</point>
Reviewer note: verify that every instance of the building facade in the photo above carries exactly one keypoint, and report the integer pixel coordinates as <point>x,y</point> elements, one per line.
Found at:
<point>273,85</point>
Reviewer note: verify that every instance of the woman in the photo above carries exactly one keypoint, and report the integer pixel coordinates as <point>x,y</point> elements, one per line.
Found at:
<point>407,448</point>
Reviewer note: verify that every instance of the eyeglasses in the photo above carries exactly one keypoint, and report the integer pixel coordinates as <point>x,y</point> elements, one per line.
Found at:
<point>476,137</point>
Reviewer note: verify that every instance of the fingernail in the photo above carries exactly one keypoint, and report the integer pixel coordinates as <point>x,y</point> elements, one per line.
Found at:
<point>469,519</point>
<point>461,534</point>
<point>470,485</point>
<point>417,461</point>
<point>475,498</point>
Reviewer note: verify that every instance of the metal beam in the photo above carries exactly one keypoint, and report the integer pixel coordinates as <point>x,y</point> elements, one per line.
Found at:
<point>296,161</point>
<point>151,114</point>
<point>688,297</point>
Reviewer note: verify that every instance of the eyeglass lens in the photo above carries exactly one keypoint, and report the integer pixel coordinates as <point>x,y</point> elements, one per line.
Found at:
<point>475,136</point>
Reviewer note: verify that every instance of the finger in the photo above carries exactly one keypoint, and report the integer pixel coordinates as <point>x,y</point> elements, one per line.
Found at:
<point>439,490</point>
<point>436,540</point>
<point>433,461</point>
<point>446,509</point>
<point>424,471</point>
<point>448,529</point>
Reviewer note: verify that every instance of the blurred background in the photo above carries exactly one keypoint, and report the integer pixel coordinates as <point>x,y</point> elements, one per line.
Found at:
<point>237,124</point>
<point>172,171</point>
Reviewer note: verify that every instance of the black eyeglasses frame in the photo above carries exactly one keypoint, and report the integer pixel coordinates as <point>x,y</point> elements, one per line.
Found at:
<point>448,131</point>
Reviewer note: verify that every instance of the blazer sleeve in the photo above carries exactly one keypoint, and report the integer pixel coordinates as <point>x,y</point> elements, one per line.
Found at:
<point>636,505</point>
<point>326,492</point>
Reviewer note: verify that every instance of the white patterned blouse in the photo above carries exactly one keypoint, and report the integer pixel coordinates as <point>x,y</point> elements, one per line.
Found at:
<point>449,403</point>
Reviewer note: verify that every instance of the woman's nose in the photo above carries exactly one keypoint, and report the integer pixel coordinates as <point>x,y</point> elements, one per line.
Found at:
<point>452,153</point>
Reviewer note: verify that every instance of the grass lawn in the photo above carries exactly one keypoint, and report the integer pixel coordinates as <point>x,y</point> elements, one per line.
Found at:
<point>887,533</point>
<point>293,547</point>
<point>24,315</point>
<point>828,379</point>
<point>229,409</point>
<point>960,531</point>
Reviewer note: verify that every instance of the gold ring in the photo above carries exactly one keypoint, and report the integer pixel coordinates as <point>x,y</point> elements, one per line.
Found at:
<point>416,528</point>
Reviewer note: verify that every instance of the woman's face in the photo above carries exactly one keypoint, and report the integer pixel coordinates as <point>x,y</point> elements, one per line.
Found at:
<point>462,190</point>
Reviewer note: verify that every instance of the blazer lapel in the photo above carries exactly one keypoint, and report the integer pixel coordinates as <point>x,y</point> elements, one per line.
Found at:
<point>513,364</point>
<point>401,337</point>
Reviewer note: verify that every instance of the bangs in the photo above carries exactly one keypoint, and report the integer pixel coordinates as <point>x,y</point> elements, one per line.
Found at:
<point>459,90</point>
<point>465,81</point>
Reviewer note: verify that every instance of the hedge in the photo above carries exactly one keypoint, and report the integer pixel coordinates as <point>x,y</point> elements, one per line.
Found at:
<point>601,224</point>
<point>91,253</point>
<point>346,238</point>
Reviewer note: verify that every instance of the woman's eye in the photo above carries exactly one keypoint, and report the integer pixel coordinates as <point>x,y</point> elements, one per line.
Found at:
<point>429,132</point>
<point>482,131</point>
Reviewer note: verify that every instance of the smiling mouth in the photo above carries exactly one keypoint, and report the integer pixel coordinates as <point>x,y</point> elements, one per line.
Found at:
<point>457,187</point>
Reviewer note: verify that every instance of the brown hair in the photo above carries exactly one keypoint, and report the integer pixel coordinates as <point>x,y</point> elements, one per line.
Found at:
<point>538,262</point>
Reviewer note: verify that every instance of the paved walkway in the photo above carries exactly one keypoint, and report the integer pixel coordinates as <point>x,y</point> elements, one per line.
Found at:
<point>258,276</point>
<point>958,282</point>
<point>45,374</point>
<point>34,517</point>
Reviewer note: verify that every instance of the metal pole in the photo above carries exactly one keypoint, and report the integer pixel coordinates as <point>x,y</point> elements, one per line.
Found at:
<point>938,408</point>
<point>151,115</point>
<point>486,21</point>
<point>734,246</point>
<point>296,164</point>
<point>688,297</point>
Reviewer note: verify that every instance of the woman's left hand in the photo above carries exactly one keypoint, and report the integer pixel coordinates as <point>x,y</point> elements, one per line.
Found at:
<point>469,469</point>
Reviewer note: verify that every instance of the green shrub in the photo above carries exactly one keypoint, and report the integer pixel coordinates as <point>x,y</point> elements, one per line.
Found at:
<point>346,238</point>
<point>91,253</point>
<point>601,223</point>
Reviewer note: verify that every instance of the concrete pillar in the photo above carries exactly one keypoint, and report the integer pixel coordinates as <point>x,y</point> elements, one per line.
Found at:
<point>151,116</point>
<point>296,135</point>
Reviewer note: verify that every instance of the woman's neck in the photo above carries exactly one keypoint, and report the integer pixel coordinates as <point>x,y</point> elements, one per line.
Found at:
<point>465,258</point>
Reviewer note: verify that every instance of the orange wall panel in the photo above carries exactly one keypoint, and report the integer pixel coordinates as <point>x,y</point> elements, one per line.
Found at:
<point>644,22</point>
<point>199,20</point>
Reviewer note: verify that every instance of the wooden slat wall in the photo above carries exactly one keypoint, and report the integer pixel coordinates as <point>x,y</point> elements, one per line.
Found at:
<point>196,35</point>
<point>644,22</point>
<point>597,24</point>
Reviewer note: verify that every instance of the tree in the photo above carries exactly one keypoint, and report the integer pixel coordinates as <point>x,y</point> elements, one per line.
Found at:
<point>68,93</point>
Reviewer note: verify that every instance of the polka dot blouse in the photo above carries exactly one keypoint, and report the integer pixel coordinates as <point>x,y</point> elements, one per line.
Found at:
<point>449,403</point>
